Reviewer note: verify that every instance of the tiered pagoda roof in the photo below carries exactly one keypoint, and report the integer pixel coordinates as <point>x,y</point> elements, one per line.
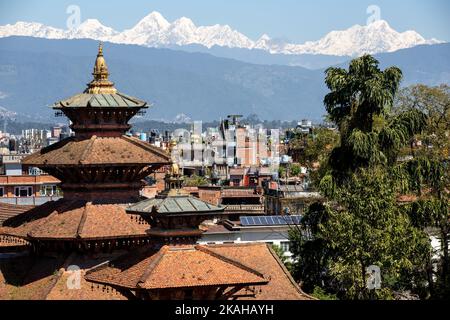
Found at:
<point>104,151</point>
<point>245,271</point>
<point>100,100</point>
<point>76,220</point>
<point>100,168</point>
<point>161,268</point>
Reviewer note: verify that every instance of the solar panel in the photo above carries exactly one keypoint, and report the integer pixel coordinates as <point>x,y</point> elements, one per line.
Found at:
<point>287,219</point>
<point>263,220</point>
<point>270,220</point>
<point>278,220</point>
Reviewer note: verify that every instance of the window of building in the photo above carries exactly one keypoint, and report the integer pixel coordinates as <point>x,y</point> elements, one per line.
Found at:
<point>23,191</point>
<point>48,190</point>
<point>285,246</point>
<point>2,192</point>
<point>33,171</point>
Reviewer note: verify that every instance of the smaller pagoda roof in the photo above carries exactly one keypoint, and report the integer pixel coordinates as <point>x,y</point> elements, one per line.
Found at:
<point>110,100</point>
<point>177,204</point>
<point>152,268</point>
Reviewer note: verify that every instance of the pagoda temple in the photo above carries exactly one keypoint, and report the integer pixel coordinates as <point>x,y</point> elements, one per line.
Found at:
<point>104,241</point>
<point>101,169</point>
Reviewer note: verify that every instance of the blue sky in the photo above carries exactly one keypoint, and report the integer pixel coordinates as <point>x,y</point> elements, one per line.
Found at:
<point>294,20</point>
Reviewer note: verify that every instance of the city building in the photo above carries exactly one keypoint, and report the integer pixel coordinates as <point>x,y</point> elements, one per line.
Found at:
<point>25,185</point>
<point>236,200</point>
<point>272,230</point>
<point>288,199</point>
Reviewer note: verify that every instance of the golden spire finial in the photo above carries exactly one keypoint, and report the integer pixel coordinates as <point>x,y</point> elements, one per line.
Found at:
<point>100,49</point>
<point>101,83</point>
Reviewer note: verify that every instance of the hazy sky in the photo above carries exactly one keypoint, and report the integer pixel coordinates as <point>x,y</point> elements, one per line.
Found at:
<point>294,20</point>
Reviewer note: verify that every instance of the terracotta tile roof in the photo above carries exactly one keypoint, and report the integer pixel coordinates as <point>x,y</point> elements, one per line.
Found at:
<point>161,268</point>
<point>28,180</point>
<point>87,290</point>
<point>11,210</point>
<point>281,285</point>
<point>98,151</point>
<point>26,278</point>
<point>216,228</point>
<point>75,219</point>
<point>239,193</point>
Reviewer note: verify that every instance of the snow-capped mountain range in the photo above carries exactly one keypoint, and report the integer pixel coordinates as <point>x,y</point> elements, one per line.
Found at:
<point>155,31</point>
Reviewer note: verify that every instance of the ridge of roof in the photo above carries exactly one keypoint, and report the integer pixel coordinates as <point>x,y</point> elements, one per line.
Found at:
<point>87,149</point>
<point>148,146</point>
<point>229,260</point>
<point>82,222</point>
<point>152,266</point>
<point>288,274</point>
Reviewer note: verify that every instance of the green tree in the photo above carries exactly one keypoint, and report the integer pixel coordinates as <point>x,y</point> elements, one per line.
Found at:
<point>367,227</point>
<point>435,103</point>
<point>427,175</point>
<point>361,223</point>
<point>359,102</point>
<point>311,249</point>
<point>295,170</point>
<point>195,181</point>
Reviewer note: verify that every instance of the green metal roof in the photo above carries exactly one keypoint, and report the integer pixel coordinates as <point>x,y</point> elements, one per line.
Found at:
<point>174,205</point>
<point>100,100</point>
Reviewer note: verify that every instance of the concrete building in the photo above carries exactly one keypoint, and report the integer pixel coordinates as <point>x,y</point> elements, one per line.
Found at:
<point>288,199</point>
<point>273,230</point>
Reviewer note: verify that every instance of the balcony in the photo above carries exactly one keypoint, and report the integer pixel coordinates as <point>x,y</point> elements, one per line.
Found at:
<point>245,208</point>
<point>29,201</point>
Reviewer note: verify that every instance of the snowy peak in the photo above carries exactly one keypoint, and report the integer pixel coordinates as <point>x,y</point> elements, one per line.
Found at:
<point>155,31</point>
<point>31,29</point>
<point>379,37</point>
<point>93,29</point>
<point>374,38</point>
<point>152,22</point>
<point>181,32</point>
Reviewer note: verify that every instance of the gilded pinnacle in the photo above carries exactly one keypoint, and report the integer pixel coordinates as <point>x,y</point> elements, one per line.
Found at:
<point>100,84</point>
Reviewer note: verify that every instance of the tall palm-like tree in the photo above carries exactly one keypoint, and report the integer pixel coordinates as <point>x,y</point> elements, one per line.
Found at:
<point>358,102</point>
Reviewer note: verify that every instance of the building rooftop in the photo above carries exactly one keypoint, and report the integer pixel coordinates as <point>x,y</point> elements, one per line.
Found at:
<point>178,204</point>
<point>239,193</point>
<point>203,265</point>
<point>88,100</point>
<point>158,269</point>
<point>75,219</point>
<point>10,210</point>
<point>262,258</point>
